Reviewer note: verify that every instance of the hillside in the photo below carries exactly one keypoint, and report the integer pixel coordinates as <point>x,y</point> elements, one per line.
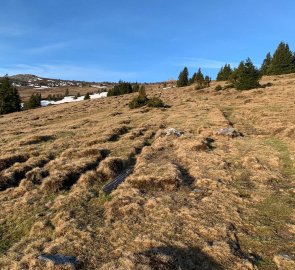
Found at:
<point>28,84</point>
<point>195,200</point>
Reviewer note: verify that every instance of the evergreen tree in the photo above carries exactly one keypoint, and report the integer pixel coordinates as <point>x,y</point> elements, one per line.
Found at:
<point>9,97</point>
<point>282,60</point>
<point>183,78</point>
<point>266,65</point>
<point>135,87</point>
<point>87,96</point>
<point>120,89</point>
<point>140,100</point>
<point>293,63</point>
<point>224,73</point>
<point>199,78</point>
<point>207,81</point>
<point>246,76</point>
<point>33,102</point>
<point>193,78</point>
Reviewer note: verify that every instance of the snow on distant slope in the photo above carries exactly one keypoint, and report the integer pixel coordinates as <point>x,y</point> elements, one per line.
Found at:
<point>69,99</point>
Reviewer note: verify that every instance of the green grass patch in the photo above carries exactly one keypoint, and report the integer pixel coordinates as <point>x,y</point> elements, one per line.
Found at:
<point>288,169</point>
<point>269,234</point>
<point>12,231</point>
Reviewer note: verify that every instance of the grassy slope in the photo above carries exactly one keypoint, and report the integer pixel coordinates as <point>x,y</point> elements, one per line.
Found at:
<point>184,206</point>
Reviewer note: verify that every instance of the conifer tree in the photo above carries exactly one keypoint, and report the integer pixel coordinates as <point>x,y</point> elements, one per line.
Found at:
<point>120,89</point>
<point>193,78</point>
<point>266,65</point>
<point>246,76</point>
<point>33,102</point>
<point>87,96</point>
<point>224,73</point>
<point>135,87</point>
<point>207,81</point>
<point>200,78</point>
<point>9,97</point>
<point>282,60</point>
<point>293,63</point>
<point>183,78</point>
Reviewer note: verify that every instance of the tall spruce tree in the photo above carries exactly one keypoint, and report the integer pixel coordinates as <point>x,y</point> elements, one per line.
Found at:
<point>33,102</point>
<point>207,81</point>
<point>266,65</point>
<point>246,76</point>
<point>200,78</point>
<point>282,60</point>
<point>293,63</point>
<point>9,97</point>
<point>193,78</point>
<point>183,78</point>
<point>224,73</point>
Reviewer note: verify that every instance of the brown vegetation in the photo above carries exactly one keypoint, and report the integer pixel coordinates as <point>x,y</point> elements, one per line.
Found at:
<point>189,203</point>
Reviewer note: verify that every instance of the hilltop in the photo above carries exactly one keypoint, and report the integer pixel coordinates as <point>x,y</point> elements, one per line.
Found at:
<point>198,196</point>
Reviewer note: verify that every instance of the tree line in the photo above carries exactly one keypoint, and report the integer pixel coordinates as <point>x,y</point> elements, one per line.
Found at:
<point>123,88</point>
<point>246,76</point>
<point>198,78</point>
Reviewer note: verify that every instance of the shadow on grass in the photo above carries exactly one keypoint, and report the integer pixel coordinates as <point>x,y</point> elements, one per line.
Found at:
<point>170,258</point>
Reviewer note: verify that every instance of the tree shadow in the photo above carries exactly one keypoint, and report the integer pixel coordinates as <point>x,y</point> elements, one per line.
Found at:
<point>176,258</point>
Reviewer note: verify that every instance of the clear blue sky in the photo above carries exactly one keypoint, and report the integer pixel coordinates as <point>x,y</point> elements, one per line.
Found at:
<point>138,40</point>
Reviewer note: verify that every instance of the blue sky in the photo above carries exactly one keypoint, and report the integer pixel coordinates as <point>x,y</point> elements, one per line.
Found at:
<point>136,40</point>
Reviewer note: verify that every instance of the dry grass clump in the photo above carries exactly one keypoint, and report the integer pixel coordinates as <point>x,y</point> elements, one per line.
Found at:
<point>12,176</point>
<point>67,173</point>
<point>115,134</point>
<point>5,162</point>
<point>156,176</point>
<point>112,166</point>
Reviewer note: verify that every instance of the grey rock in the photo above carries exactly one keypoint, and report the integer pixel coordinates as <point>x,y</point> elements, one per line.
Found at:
<point>173,131</point>
<point>230,131</point>
<point>58,259</point>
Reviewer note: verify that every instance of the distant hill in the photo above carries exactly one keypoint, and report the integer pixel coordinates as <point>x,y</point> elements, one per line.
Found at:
<point>35,82</point>
<point>23,77</point>
<point>30,80</point>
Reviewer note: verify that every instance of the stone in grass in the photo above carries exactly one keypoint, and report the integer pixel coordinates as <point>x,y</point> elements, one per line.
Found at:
<point>173,131</point>
<point>284,262</point>
<point>230,131</point>
<point>58,259</point>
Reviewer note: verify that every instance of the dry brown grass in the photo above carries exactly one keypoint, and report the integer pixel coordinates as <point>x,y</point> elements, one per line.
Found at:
<point>184,206</point>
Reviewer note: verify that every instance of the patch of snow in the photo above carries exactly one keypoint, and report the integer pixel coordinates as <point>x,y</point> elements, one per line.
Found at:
<point>100,95</point>
<point>69,99</point>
